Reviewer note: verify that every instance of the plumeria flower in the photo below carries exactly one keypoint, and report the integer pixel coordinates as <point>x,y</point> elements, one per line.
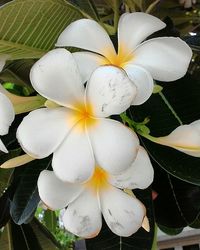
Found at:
<point>123,213</point>
<point>164,58</point>
<point>185,138</point>
<point>76,132</point>
<point>7,113</point>
<point>187,3</point>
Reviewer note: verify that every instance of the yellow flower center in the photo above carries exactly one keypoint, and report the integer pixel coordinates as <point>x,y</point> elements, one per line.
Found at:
<point>99,180</point>
<point>84,116</point>
<point>120,59</point>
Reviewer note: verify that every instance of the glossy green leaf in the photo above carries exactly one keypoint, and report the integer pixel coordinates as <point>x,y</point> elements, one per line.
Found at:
<point>4,208</point>
<point>26,198</point>
<point>178,103</point>
<point>141,240</point>
<point>177,204</point>
<point>30,28</point>
<point>31,236</point>
<point>170,231</point>
<point>18,73</point>
<point>6,174</point>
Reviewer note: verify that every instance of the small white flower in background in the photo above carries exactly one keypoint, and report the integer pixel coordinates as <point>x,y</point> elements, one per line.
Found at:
<point>164,58</point>
<point>185,138</point>
<point>123,213</point>
<point>7,113</point>
<point>78,134</point>
<point>187,3</point>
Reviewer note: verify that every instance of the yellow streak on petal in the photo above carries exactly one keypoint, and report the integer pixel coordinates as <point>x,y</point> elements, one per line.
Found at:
<point>164,141</point>
<point>119,60</point>
<point>17,161</point>
<point>98,180</point>
<point>84,116</point>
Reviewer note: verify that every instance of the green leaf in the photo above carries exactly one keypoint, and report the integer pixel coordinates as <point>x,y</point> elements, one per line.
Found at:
<point>30,28</point>
<point>88,6</point>
<point>31,236</point>
<point>177,204</point>
<point>6,174</point>
<point>170,231</point>
<point>26,198</point>
<point>179,103</point>
<point>4,208</point>
<point>18,73</point>
<point>141,240</point>
<point>50,220</point>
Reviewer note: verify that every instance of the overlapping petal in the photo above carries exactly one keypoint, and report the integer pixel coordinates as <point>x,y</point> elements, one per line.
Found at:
<point>114,145</point>
<point>56,77</point>
<point>110,91</point>
<point>166,58</point>
<point>74,161</point>
<point>43,130</point>
<point>55,193</point>
<point>86,34</point>
<point>83,216</point>
<point>123,214</point>
<point>139,175</point>
<point>143,80</point>
<point>87,62</point>
<point>185,138</point>
<point>133,28</point>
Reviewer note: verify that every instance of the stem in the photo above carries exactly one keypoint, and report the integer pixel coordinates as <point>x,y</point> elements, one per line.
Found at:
<point>134,125</point>
<point>147,136</point>
<point>170,107</point>
<point>152,6</point>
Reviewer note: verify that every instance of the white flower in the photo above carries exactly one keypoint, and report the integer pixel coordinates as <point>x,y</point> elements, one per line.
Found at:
<point>123,213</point>
<point>164,58</point>
<point>78,134</point>
<point>187,3</point>
<point>7,113</point>
<point>185,138</point>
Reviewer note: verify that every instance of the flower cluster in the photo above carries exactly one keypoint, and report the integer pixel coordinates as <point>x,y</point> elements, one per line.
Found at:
<point>96,158</point>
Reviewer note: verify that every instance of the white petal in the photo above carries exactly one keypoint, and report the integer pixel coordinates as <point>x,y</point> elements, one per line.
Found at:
<point>143,80</point>
<point>110,91</point>
<point>115,145</point>
<point>43,130</point>
<point>7,114</point>
<point>196,125</point>
<point>166,58</point>
<point>139,175</point>
<point>56,77</point>
<point>55,193</point>
<point>136,27</point>
<point>123,214</point>
<point>2,147</point>
<point>87,34</point>
<point>73,161</point>
<point>87,63</point>
<point>83,216</point>
<point>185,138</point>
